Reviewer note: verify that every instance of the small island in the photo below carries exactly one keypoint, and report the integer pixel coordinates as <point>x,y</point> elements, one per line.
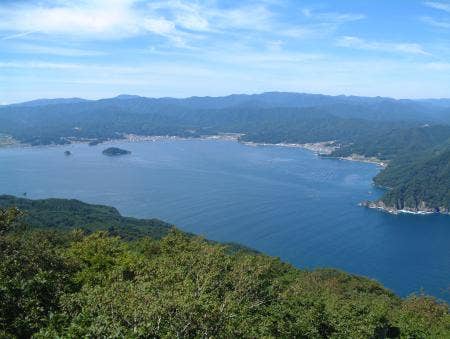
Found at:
<point>67,153</point>
<point>114,151</point>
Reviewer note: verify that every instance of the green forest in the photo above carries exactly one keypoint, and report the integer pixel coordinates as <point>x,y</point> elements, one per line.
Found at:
<point>68,214</point>
<point>420,181</point>
<point>68,282</point>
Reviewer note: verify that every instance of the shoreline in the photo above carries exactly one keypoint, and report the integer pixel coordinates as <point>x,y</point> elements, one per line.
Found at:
<point>381,206</point>
<point>359,158</point>
<point>321,149</point>
<point>153,138</point>
<point>130,138</point>
<point>7,141</point>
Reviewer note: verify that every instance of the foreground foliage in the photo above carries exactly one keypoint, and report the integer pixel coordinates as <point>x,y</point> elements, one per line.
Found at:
<point>69,284</point>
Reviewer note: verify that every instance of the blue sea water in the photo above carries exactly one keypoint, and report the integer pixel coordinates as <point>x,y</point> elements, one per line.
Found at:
<point>285,202</point>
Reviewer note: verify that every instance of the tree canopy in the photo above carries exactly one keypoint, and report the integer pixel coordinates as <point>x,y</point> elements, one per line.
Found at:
<point>72,284</point>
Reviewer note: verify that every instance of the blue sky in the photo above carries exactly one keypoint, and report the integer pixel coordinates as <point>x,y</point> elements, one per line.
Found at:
<point>179,48</point>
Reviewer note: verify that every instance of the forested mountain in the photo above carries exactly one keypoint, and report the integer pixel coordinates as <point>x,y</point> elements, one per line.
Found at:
<point>70,214</point>
<point>374,108</point>
<point>383,128</point>
<point>71,284</point>
<point>388,144</point>
<point>47,102</point>
<point>419,182</point>
<point>111,118</point>
<point>64,214</point>
<point>437,102</point>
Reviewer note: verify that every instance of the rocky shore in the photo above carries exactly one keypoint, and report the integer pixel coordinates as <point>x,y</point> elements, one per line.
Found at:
<point>6,140</point>
<point>320,148</point>
<point>361,158</point>
<point>220,136</point>
<point>421,209</point>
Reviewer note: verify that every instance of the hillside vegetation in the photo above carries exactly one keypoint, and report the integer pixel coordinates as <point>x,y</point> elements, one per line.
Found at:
<point>70,284</point>
<point>65,214</point>
<point>59,121</point>
<point>70,214</point>
<point>420,182</point>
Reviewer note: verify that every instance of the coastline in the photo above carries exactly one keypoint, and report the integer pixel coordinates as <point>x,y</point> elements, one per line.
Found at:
<point>7,141</point>
<point>130,138</point>
<point>153,138</point>
<point>381,206</point>
<point>322,149</point>
<point>360,158</point>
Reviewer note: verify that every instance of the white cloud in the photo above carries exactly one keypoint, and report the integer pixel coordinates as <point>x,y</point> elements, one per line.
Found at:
<point>375,76</point>
<point>443,6</point>
<point>358,43</point>
<point>89,20</point>
<point>436,23</point>
<point>179,21</point>
<point>17,35</point>
<point>333,17</point>
<point>54,50</point>
<point>438,66</point>
<point>206,17</point>
<point>38,65</point>
<point>320,24</point>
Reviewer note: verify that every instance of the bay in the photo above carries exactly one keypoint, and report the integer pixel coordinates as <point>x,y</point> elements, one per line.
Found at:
<point>285,202</point>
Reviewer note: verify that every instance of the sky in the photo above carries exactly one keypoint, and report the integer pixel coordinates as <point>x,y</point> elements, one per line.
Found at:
<point>179,48</point>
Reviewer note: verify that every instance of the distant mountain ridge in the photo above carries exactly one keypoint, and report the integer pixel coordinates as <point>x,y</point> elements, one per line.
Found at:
<point>429,108</point>
<point>47,102</point>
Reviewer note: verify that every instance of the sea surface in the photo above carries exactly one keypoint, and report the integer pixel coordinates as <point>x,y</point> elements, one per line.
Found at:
<point>286,202</point>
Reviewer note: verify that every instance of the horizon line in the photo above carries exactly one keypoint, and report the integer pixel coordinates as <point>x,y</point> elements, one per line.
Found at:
<point>219,96</point>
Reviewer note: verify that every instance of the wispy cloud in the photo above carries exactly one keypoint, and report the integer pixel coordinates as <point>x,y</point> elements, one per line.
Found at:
<point>332,16</point>
<point>391,47</point>
<point>436,23</point>
<point>178,21</point>
<point>442,21</point>
<point>443,6</point>
<point>318,24</point>
<point>17,35</point>
<point>212,47</point>
<point>95,19</point>
<point>38,65</point>
<point>438,66</point>
<point>117,19</point>
<point>206,16</point>
<point>54,50</point>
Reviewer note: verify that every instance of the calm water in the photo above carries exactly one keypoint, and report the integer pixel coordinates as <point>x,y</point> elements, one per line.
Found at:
<point>283,201</point>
